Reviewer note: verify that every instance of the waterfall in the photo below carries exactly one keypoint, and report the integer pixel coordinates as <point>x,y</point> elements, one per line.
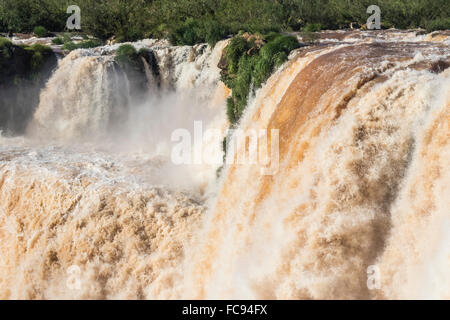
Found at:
<point>85,96</point>
<point>92,207</point>
<point>362,182</point>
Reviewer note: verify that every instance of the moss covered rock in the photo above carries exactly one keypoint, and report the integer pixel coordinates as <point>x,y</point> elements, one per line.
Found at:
<point>247,62</point>
<point>137,65</point>
<point>24,70</point>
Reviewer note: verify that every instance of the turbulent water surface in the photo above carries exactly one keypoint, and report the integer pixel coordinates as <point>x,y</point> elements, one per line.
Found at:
<point>362,181</point>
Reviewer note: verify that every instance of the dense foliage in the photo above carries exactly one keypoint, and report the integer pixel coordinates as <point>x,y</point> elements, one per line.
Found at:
<point>40,31</point>
<point>126,54</point>
<point>25,15</point>
<point>249,61</point>
<point>192,21</point>
<point>32,58</point>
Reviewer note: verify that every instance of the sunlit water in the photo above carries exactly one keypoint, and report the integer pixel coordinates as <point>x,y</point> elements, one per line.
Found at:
<point>363,179</point>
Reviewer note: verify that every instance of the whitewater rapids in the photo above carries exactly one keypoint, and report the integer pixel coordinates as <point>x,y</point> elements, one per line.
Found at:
<point>363,179</point>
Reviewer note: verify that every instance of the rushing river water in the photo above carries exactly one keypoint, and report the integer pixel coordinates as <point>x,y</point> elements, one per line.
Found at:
<point>92,205</point>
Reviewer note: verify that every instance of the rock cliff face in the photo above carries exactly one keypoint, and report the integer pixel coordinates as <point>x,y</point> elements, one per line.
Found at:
<point>24,70</point>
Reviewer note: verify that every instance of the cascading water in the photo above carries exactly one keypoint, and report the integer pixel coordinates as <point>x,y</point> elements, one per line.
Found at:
<point>362,179</point>
<point>92,186</point>
<point>85,96</point>
<point>363,158</point>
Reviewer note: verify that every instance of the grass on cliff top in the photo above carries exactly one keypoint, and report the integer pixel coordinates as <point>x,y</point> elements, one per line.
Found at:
<point>127,56</point>
<point>4,42</point>
<point>38,54</point>
<point>68,44</point>
<point>32,59</point>
<point>86,44</point>
<point>250,60</point>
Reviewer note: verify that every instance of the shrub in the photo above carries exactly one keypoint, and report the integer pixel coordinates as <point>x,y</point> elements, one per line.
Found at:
<point>188,33</point>
<point>38,54</point>
<point>40,31</point>
<point>70,45</point>
<point>312,27</point>
<point>4,42</point>
<point>66,37</point>
<point>126,20</point>
<point>214,32</point>
<point>126,54</point>
<point>57,41</point>
<point>193,31</point>
<point>92,43</point>
<point>232,117</point>
<point>250,60</point>
<point>438,24</point>
<point>211,20</point>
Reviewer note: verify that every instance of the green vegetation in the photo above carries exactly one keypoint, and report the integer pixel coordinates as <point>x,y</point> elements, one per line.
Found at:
<point>40,31</point>
<point>125,20</point>
<point>25,15</point>
<point>5,53</point>
<point>133,64</point>
<point>126,54</point>
<point>128,57</point>
<point>38,55</point>
<point>85,44</point>
<point>438,24</point>
<point>193,31</point>
<point>4,42</point>
<point>193,21</point>
<point>249,61</point>
<point>312,27</point>
<point>57,41</point>
<point>30,58</point>
<point>70,45</point>
<point>24,70</point>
